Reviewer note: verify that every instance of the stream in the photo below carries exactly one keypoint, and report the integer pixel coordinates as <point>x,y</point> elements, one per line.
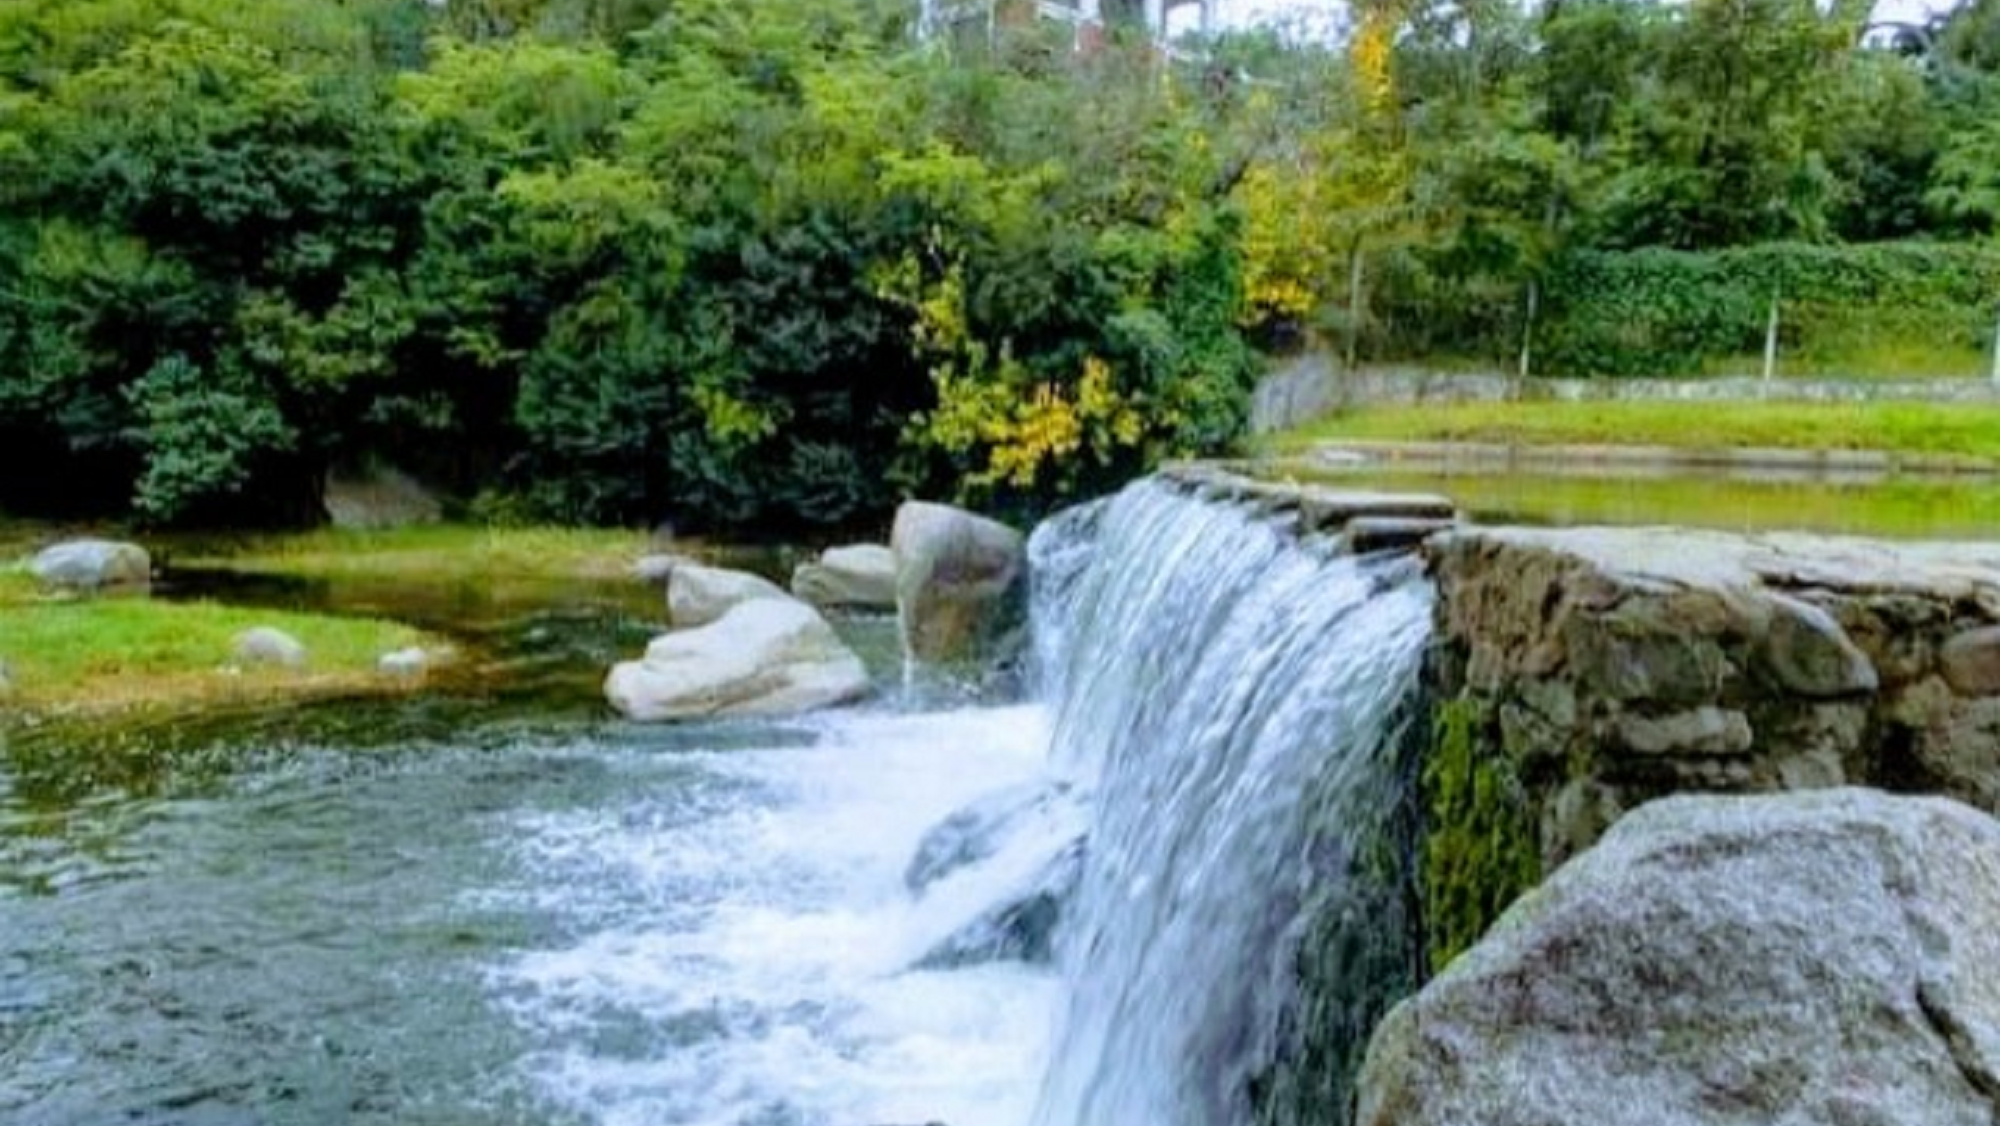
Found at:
<point>493,904</point>
<point>559,922</point>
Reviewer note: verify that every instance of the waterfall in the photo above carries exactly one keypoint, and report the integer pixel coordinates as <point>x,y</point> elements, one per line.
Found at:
<point>1231,704</point>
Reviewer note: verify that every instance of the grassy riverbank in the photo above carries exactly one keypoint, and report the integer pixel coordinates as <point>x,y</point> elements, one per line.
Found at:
<point>1956,429</point>
<point>357,593</point>
<point>107,655</point>
<point>434,553</point>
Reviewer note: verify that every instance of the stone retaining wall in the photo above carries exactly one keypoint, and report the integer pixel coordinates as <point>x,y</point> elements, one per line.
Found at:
<point>1581,672</point>
<point>1577,673</point>
<point>1312,386</point>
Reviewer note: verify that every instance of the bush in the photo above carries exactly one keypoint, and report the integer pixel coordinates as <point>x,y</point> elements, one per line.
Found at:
<point>759,265</point>
<point>1661,312</point>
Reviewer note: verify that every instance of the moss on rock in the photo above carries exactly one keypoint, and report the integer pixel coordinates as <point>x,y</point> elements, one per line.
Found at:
<point>1479,842</point>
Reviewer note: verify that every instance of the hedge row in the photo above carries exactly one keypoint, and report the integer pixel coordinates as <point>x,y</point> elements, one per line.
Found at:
<point>1671,312</point>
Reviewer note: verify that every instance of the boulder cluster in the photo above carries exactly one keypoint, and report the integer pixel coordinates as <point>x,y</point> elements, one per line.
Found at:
<point>742,645</point>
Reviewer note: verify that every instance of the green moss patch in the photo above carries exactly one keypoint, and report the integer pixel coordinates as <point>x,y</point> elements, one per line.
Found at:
<point>1479,844</point>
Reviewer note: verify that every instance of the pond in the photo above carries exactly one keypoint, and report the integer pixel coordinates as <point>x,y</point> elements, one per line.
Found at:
<point>1943,507</point>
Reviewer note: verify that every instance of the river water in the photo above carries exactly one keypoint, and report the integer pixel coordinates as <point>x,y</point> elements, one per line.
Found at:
<point>567,922</point>
<point>933,908</point>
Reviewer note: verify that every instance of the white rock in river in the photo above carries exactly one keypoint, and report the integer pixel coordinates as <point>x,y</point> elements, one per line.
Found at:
<point>767,656</point>
<point>412,662</point>
<point>1822,957</point>
<point>92,565</point>
<point>698,595</point>
<point>657,569</point>
<point>858,575</point>
<point>266,645</point>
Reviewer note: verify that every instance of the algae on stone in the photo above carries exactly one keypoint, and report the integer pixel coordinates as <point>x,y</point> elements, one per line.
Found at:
<point>1480,849</point>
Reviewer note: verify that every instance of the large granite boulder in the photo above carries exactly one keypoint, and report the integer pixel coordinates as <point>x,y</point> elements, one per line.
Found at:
<point>698,595</point>
<point>1823,957</point>
<point>861,575</point>
<point>94,565</point>
<point>960,581</point>
<point>767,656</point>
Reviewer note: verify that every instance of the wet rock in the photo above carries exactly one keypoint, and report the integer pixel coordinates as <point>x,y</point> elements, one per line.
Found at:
<point>1811,655</point>
<point>1705,730</point>
<point>1810,958</point>
<point>861,575</point>
<point>94,565</point>
<point>1656,649</point>
<point>1379,514</point>
<point>1389,533</point>
<point>960,581</point>
<point>698,595</point>
<point>1022,929</point>
<point>767,656</point>
<point>970,835</point>
<point>1971,662</point>
<point>266,645</point>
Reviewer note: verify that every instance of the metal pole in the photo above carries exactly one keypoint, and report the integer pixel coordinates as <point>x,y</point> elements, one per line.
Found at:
<point>1528,332</point>
<point>1771,344</point>
<point>1996,351</point>
<point>1354,305</point>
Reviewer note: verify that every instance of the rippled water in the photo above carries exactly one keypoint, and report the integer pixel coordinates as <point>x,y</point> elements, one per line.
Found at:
<point>492,906</point>
<point>565,923</point>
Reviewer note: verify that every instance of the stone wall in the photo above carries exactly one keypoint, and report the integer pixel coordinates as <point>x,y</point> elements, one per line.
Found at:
<point>1312,385</point>
<point>1581,672</point>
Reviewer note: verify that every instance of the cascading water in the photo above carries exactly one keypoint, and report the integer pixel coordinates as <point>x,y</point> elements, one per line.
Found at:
<point>1232,703</point>
<point>1180,864</point>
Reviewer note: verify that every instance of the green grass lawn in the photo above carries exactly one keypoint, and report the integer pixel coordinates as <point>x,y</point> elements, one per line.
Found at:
<point>1912,428</point>
<point>102,655</point>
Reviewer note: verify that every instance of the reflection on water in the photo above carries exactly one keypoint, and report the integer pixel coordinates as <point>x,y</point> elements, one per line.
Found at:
<point>1904,507</point>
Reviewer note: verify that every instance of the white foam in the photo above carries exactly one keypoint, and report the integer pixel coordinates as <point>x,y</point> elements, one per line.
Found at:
<point>738,954</point>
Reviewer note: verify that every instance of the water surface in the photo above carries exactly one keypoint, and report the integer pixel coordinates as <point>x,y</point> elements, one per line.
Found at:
<point>557,921</point>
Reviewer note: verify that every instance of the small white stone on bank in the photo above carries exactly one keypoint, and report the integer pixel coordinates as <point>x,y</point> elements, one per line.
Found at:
<point>266,645</point>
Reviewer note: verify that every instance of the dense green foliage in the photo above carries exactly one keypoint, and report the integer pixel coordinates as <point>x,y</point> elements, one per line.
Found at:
<point>706,261</point>
<point>1660,312</point>
<point>1624,185</point>
<point>776,263</point>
